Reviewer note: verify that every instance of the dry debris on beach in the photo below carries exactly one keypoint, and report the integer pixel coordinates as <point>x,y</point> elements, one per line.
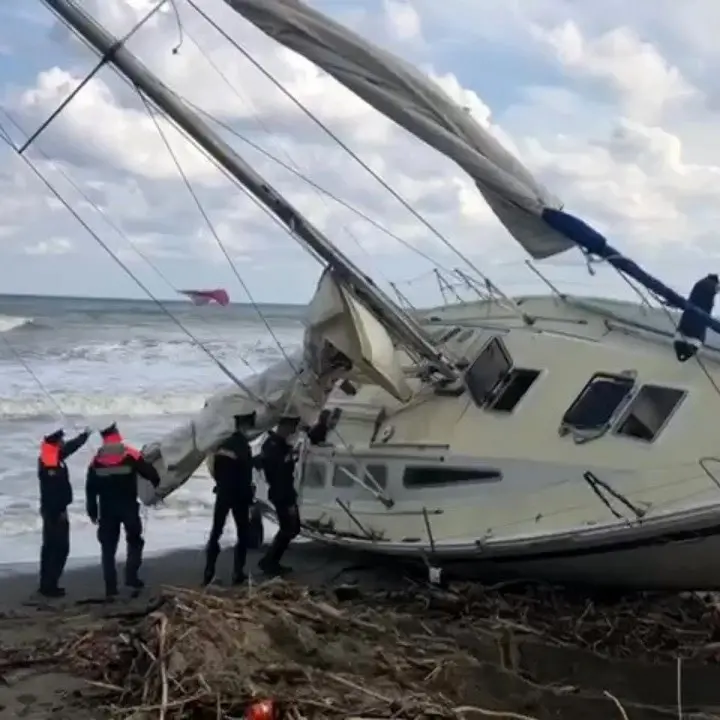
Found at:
<point>470,652</point>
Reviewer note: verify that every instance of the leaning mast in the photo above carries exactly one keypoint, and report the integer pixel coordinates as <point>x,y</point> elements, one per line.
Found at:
<point>113,51</point>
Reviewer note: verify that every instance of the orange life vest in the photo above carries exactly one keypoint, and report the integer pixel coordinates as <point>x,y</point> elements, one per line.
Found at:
<point>50,455</point>
<point>109,456</point>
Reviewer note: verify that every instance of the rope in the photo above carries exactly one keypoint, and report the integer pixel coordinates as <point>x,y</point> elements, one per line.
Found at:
<point>266,130</point>
<point>213,231</point>
<point>130,273</point>
<point>37,380</point>
<point>280,86</point>
<point>106,218</point>
<point>320,190</point>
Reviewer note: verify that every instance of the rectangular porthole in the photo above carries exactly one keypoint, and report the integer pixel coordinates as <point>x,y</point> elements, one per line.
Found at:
<point>422,477</point>
<point>649,412</point>
<point>598,401</point>
<point>514,389</point>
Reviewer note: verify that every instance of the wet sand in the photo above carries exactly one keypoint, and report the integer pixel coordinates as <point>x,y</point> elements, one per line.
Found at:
<point>513,668</point>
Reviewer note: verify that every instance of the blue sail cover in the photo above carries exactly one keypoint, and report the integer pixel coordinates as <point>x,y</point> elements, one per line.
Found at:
<point>531,214</point>
<point>593,242</point>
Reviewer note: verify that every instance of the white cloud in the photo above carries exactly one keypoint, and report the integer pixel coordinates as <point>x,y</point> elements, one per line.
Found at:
<point>53,246</point>
<point>612,106</point>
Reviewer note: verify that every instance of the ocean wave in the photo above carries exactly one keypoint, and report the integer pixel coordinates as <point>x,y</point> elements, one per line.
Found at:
<point>77,405</point>
<point>13,322</point>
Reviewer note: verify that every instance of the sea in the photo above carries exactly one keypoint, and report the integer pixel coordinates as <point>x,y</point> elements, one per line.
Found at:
<point>76,362</point>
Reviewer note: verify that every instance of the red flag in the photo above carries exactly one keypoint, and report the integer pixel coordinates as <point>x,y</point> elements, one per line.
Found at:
<point>203,297</point>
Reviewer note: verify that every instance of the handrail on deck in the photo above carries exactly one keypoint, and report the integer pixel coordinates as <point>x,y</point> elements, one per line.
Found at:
<point>703,461</point>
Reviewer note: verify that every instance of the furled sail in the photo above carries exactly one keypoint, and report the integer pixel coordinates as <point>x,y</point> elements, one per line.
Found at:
<point>419,105</point>
<point>529,212</point>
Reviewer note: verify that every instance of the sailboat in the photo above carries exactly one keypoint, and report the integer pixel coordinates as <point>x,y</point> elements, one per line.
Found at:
<point>546,436</point>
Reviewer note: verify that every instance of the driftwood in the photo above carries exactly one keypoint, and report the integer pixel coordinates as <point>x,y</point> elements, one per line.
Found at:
<point>411,654</point>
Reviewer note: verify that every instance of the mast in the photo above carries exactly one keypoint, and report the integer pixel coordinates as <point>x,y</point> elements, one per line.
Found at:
<point>113,51</point>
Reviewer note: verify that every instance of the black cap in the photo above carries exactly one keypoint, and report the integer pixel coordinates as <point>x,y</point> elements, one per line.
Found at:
<point>245,420</point>
<point>713,277</point>
<point>109,430</point>
<point>56,436</point>
<point>289,421</point>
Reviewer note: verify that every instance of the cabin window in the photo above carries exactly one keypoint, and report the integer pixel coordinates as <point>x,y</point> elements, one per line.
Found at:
<point>599,400</point>
<point>514,389</point>
<point>377,475</point>
<point>420,477</point>
<point>341,477</point>
<point>491,366</point>
<point>649,412</point>
<point>314,475</point>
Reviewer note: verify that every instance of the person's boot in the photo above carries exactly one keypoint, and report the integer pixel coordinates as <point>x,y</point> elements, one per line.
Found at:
<point>210,561</point>
<point>109,574</point>
<point>52,593</point>
<point>135,583</point>
<point>239,557</point>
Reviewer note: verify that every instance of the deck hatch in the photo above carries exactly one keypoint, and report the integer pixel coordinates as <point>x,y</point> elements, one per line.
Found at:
<point>488,370</point>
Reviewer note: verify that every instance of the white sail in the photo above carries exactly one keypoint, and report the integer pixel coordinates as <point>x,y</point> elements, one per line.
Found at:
<point>343,341</point>
<point>289,386</point>
<point>415,102</point>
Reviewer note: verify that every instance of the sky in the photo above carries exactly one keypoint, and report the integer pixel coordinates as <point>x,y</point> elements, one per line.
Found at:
<point>614,106</point>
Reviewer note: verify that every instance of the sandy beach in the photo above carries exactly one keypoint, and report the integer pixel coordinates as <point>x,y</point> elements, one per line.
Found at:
<point>27,620</point>
<point>366,636</point>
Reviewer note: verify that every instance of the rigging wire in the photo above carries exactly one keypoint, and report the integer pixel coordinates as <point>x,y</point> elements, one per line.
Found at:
<point>132,275</point>
<point>188,184</point>
<point>283,89</point>
<point>212,229</point>
<point>114,226</point>
<point>43,389</point>
<point>301,176</point>
<point>182,33</point>
<point>292,166</point>
<point>662,306</point>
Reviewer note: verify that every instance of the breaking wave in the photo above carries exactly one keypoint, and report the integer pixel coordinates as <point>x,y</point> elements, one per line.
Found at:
<point>91,406</point>
<point>11,322</point>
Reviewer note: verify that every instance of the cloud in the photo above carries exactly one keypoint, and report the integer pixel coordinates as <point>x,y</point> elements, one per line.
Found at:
<point>613,107</point>
<point>53,246</point>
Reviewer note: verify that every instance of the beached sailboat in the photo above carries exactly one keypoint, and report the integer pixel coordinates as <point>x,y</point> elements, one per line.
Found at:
<point>544,436</point>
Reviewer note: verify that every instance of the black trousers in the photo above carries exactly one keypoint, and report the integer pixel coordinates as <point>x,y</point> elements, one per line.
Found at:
<point>109,538</point>
<point>240,511</point>
<point>288,517</point>
<point>55,549</point>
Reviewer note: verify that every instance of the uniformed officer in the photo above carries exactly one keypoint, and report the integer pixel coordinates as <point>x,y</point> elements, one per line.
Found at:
<point>277,458</point>
<point>55,496</point>
<point>232,470</point>
<point>112,502</point>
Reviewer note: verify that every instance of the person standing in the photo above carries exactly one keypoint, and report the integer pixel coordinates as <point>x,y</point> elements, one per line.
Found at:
<point>111,495</point>
<point>277,459</point>
<point>56,495</point>
<point>232,470</point>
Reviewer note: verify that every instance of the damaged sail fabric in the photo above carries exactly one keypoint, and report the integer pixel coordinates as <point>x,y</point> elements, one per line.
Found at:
<point>419,105</point>
<point>529,212</point>
<point>287,386</point>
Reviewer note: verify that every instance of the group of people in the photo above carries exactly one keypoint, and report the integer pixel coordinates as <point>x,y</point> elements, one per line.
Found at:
<point>112,499</point>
